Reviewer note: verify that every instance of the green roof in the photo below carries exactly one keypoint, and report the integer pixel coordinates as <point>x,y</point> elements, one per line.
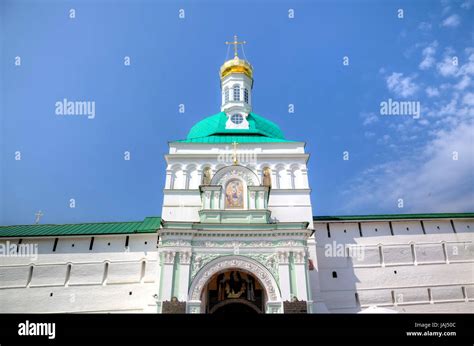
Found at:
<point>149,225</point>
<point>213,130</point>
<point>394,217</point>
<point>231,139</point>
<point>152,224</point>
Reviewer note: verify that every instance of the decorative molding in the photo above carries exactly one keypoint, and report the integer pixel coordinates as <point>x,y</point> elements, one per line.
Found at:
<point>238,262</point>
<point>299,257</point>
<point>270,261</point>
<point>229,172</point>
<point>283,257</point>
<point>290,243</point>
<point>231,244</point>
<point>177,242</point>
<point>200,260</point>
<point>185,257</point>
<point>168,257</point>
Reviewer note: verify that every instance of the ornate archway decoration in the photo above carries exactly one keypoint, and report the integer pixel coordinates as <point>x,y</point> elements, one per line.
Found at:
<point>234,262</point>
<point>236,171</point>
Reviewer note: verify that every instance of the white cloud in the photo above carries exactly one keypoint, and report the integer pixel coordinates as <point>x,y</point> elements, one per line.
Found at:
<point>369,118</point>
<point>369,134</point>
<point>424,26</point>
<point>428,56</point>
<point>447,67</point>
<point>401,86</point>
<point>452,21</point>
<point>468,99</point>
<point>384,139</point>
<point>432,92</point>
<point>463,83</point>
<point>428,181</point>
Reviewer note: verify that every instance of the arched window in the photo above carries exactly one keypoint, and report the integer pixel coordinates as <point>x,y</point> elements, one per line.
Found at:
<point>226,94</point>
<point>246,95</point>
<point>236,93</point>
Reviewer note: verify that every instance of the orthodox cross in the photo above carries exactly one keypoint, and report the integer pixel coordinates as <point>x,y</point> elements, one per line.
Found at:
<point>235,152</point>
<point>38,216</point>
<point>235,43</point>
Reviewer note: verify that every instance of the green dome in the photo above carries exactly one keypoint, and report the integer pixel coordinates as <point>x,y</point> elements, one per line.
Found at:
<point>260,129</point>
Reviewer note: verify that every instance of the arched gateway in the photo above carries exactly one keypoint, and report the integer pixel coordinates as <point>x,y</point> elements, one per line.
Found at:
<point>241,284</point>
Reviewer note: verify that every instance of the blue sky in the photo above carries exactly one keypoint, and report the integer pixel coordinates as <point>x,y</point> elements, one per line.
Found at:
<point>175,61</point>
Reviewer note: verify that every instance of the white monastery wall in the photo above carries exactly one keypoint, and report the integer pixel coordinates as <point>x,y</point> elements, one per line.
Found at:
<point>425,266</point>
<point>110,277</point>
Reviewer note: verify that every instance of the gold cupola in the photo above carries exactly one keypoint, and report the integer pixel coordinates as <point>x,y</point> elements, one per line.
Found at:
<point>236,65</point>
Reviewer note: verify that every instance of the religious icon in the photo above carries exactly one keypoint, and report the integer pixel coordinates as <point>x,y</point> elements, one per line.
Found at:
<point>234,194</point>
<point>206,176</point>
<point>236,286</point>
<point>267,177</point>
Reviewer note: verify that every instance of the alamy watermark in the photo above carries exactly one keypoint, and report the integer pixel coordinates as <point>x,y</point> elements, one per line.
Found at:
<point>394,107</point>
<point>228,156</point>
<point>28,328</point>
<point>336,249</point>
<point>9,249</point>
<point>66,107</point>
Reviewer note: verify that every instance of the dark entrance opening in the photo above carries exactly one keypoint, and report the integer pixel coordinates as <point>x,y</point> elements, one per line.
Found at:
<point>234,291</point>
<point>235,308</point>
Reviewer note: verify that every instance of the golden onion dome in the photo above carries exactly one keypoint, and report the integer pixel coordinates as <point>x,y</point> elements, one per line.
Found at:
<point>236,65</point>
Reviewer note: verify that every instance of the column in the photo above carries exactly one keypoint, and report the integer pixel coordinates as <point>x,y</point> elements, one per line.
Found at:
<point>207,200</point>
<point>304,178</point>
<point>169,175</point>
<point>300,275</point>
<point>184,262</point>
<point>261,200</point>
<point>167,276</point>
<point>185,179</point>
<point>284,273</point>
<point>215,202</point>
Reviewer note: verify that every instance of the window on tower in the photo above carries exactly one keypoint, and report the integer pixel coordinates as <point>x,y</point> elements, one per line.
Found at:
<point>246,95</point>
<point>236,93</point>
<point>237,119</point>
<point>226,95</point>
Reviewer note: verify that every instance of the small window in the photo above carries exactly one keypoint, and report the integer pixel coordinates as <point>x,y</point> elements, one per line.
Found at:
<point>395,272</point>
<point>237,119</point>
<point>334,275</point>
<point>236,93</point>
<point>376,230</point>
<point>246,95</point>
<point>408,229</point>
<point>127,239</point>
<point>226,95</point>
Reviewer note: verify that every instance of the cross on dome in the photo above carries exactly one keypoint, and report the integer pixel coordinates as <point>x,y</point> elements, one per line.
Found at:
<point>236,44</point>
